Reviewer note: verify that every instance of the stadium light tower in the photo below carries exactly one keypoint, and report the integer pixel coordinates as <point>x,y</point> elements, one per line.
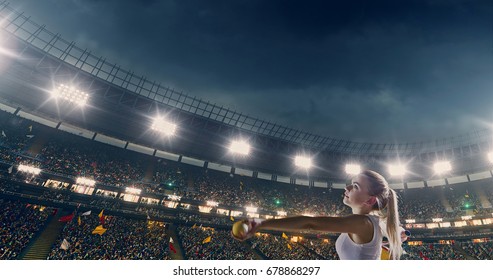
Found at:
<point>239,147</point>
<point>70,94</point>
<point>163,126</point>
<point>397,169</point>
<point>353,169</point>
<point>442,167</point>
<point>303,162</point>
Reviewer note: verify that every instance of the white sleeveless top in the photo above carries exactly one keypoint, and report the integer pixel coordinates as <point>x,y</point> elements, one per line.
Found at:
<point>348,250</point>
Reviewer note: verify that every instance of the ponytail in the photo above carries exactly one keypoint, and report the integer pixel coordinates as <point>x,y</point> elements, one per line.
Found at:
<point>393,226</point>
<point>387,209</point>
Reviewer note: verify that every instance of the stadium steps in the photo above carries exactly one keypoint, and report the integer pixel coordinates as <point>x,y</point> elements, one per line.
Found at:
<point>258,254</point>
<point>176,244</point>
<point>483,199</point>
<point>445,202</point>
<point>312,251</point>
<point>41,246</point>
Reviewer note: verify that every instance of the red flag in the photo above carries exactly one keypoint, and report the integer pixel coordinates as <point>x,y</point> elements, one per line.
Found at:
<point>67,218</point>
<point>421,255</point>
<point>172,248</point>
<point>101,219</point>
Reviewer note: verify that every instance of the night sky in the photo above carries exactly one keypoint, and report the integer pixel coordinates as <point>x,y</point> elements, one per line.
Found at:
<point>367,71</point>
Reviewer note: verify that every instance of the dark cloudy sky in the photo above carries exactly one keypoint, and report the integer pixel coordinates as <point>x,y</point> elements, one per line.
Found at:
<point>372,71</point>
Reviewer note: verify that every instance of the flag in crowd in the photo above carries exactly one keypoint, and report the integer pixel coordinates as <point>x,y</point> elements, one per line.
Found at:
<point>65,245</point>
<point>99,230</point>
<point>66,218</point>
<point>284,236</point>
<point>101,217</point>
<point>171,246</point>
<point>207,240</point>
<point>87,213</point>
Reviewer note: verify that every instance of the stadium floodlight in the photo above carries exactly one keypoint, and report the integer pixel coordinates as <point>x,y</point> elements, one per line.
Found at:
<point>397,169</point>
<point>490,156</point>
<point>163,126</point>
<point>29,169</point>
<point>85,181</point>
<point>251,209</point>
<point>70,94</point>
<point>240,147</point>
<point>442,167</point>
<point>303,162</point>
<point>132,190</point>
<point>353,169</point>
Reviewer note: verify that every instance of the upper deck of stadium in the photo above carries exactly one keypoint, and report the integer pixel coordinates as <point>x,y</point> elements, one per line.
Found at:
<point>122,105</point>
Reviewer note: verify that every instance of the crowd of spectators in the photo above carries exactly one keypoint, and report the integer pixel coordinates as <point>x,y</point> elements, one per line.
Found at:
<point>422,204</point>
<point>74,156</point>
<point>19,223</point>
<point>133,239</point>
<point>432,251</point>
<point>480,250</point>
<point>221,245</point>
<point>280,248</point>
<point>124,239</point>
<point>323,247</point>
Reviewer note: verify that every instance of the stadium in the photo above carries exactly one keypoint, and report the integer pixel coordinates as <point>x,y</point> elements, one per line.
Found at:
<point>100,163</point>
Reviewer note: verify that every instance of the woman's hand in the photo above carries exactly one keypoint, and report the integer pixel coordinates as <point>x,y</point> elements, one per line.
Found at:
<point>252,225</point>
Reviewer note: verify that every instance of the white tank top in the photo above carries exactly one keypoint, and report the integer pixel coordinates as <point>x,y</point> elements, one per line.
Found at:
<point>348,250</point>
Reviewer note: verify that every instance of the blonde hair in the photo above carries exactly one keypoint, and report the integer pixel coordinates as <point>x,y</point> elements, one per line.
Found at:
<point>387,208</point>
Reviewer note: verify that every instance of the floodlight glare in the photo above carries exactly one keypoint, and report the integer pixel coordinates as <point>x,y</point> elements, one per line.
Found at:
<point>28,169</point>
<point>212,203</point>
<point>174,197</point>
<point>303,162</point>
<point>353,169</point>
<point>397,169</point>
<point>442,167</point>
<point>239,147</point>
<point>490,156</point>
<point>70,94</point>
<point>85,181</point>
<point>251,209</point>
<point>133,190</point>
<point>163,126</point>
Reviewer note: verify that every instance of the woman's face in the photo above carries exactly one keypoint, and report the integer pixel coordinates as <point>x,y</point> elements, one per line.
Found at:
<point>357,193</point>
